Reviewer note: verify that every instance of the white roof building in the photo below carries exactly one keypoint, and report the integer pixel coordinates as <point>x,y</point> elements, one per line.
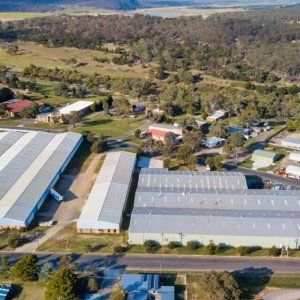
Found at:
<point>75,107</point>
<point>103,210</point>
<point>295,156</point>
<point>290,143</point>
<point>293,171</point>
<point>30,165</point>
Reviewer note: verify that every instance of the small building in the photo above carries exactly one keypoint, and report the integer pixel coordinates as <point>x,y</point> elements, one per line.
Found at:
<point>15,106</point>
<point>138,108</point>
<point>213,142</point>
<point>80,106</point>
<point>293,171</point>
<point>245,131</point>
<point>218,115</point>
<point>267,157</point>
<point>159,131</point>
<point>146,287</point>
<point>202,125</point>
<point>103,210</point>
<point>290,143</point>
<point>295,156</point>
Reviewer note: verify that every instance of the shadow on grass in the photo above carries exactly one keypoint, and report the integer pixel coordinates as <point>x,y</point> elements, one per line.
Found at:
<point>16,290</point>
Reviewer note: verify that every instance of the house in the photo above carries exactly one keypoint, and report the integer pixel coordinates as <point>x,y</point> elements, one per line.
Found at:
<point>80,106</point>
<point>245,131</point>
<point>146,287</point>
<point>159,131</point>
<point>202,125</point>
<point>266,157</point>
<point>15,106</point>
<point>293,171</point>
<point>295,156</point>
<point>289,142</point>
<point>213,142</point>
<point>218,115</point>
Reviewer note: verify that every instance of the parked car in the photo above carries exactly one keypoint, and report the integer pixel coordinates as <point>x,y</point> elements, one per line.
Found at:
<point>255,123</point>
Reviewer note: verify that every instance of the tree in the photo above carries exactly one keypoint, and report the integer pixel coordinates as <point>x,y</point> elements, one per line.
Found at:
<point>215,161</point>
<point>4,267</point>
<point>6,94</point>
<point>184,153</point>
<point>243,250</point>
<point>63,284</point>
<point>217,286</point>
<point>193,245</point>
<point>274,251</point>
<point>220,129</point>
<point>170,143</point>
<point>211,249</point>
<point>118,293</point>
<point>73,118</point>
<point>90,137</point>
<point>93,285</point>
<point>46,272</point>
<point>30,111</point>
<point>151,246</point>
<point>194,139</point>
<point>15,240</point>
<point>234,144</point>
<point>67,261</point>
<point>99,145</point>
<point>137,133</point>
<point>26,269</point>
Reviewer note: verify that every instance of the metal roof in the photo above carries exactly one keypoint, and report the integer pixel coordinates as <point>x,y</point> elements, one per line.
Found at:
<point>28,168</point>
<point>291,140</point>
<point>104,206</point>
<point>77,106</point>
<point>264,153</point>
<point>211,203</point>
<point>192,179</point>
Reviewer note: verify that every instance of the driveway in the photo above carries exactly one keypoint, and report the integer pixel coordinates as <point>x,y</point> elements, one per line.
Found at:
<point>286,294</point>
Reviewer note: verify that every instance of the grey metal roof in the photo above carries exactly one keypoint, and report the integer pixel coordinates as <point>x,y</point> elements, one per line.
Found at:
<point>9,138</point>
<point>212,222</point>
<point>29,171</point>
<point>104,207</point>
<point>291,140</point>
<point>192,179</point>
<point>176,202</point>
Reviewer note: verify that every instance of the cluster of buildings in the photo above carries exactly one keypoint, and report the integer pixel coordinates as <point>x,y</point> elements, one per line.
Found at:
<point>31,162</point>
<point>178,206</point>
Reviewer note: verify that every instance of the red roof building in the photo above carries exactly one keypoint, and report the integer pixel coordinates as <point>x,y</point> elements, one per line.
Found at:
<point>14,107</point>
<point>157,134</point>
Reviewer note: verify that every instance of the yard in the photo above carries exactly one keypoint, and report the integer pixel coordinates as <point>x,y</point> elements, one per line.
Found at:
<point>111,126</point>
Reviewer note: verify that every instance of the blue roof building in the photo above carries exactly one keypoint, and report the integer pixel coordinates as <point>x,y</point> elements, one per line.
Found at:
<point>145,287</point>
<point>4,291</point>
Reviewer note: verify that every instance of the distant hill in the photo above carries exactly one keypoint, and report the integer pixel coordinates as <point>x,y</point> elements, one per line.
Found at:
<point>48,5</point>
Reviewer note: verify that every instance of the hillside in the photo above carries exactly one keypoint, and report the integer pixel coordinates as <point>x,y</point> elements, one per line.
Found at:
<point>50,5</point>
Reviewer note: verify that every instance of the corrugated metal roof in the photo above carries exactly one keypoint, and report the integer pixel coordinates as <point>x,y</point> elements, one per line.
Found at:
<point>291,140</point>
<point>7,139</point>
<point>211,203</point>
<point>30,170</point>
<point>193,179</point>
<point>264,153</point>
<point>104,207</point>
<point>77,106</point>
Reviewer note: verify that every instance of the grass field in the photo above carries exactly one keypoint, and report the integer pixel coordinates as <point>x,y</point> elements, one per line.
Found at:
<point>32,53</point>
<point>111,126</point>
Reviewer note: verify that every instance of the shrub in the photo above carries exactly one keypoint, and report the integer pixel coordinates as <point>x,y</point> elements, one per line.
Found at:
<point>173,245</point>
<point>243,250</point>
<point>118,249</point>
<point>193,245</point>
<point>274,251</point>
<point>93,285</point>
<point>211,249</point>
<point>15,240</point>
<point>26,269</point>
<point>151,246</point>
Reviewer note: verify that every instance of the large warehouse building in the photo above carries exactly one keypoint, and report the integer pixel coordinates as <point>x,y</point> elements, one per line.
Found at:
<point>103,210</point>
<point>30,165</point>
<point>212,207</point>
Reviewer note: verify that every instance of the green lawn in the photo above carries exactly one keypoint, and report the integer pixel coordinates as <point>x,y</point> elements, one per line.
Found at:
<point>111,126</point>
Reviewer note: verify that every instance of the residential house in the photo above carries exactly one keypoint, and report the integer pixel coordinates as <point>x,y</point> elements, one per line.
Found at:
<point>218,115</point>
<point>159,131</point>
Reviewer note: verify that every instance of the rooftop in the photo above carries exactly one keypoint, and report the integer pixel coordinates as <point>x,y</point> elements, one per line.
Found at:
<point>264,153</point>
<point>77,106</point>
<point>104,206</point>
<point>291,140</point>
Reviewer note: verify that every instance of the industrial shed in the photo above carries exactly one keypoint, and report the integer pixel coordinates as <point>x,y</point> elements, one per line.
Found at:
<point>263,156</point>
<point>295,156</point>
<point>293,171</point>
<point>31,162</point>
<point>224,213</point>
<point>103,210</point>
<point>291,143</point>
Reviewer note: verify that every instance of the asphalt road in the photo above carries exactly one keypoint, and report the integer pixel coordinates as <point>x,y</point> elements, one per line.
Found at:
<point>176,263</point>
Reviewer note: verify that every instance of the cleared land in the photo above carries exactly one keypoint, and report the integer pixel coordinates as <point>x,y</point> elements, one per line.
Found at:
<point>32,53</point>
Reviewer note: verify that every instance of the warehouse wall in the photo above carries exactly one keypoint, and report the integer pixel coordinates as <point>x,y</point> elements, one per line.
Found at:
<point>235,241</point>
